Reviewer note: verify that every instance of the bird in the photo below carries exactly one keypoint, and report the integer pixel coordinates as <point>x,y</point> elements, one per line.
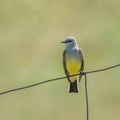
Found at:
<point>73,62</point>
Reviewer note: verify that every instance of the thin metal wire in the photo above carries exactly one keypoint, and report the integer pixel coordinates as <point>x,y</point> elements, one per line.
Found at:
<point>29,86</point>
<point>104,69</point>
<point>87,101</point>
<point>55,79</point>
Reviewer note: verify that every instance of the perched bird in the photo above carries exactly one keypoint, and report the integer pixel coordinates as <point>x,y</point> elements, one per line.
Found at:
<point>73,62</point>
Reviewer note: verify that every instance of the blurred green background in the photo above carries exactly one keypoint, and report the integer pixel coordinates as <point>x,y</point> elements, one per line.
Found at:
<point>30,52</point>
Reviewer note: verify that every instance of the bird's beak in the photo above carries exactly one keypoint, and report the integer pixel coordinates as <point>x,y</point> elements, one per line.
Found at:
<point>63,42</point>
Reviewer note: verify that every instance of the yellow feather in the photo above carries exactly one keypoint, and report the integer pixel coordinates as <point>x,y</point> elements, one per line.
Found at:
<point>73,67</point>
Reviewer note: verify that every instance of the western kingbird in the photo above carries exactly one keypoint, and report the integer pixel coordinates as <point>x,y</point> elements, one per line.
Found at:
<point>73,62</point>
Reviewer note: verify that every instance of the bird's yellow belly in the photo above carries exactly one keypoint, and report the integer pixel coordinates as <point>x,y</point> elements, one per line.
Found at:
<point>73,66</point>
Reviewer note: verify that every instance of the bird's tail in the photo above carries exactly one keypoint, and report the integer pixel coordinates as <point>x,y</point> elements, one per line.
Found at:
<point>73,87</point>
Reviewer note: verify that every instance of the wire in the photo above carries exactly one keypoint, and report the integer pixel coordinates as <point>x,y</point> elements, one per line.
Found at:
<point>29,86</point>
<point>104,69</point>
<point>87,102</point>
<point>55,79</point>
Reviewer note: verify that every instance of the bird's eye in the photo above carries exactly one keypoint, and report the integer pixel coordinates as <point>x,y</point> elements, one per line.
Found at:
<point>69,40</point>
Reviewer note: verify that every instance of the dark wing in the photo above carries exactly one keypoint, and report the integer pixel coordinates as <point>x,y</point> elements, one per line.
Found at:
<point>64,62</point>
<point>64,65</point>
<point>82,61</point>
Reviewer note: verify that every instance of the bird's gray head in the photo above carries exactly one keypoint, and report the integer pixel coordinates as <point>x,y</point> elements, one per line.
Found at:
<point>70,41</point>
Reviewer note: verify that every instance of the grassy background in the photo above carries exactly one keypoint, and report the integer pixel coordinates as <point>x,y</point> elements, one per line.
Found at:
<point>30,51</point>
